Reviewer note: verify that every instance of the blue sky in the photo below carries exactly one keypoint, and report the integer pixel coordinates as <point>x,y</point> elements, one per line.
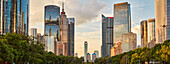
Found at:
<point>87,14</point>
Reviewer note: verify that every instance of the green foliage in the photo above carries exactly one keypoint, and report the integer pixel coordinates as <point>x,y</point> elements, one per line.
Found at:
<point>21,49</point>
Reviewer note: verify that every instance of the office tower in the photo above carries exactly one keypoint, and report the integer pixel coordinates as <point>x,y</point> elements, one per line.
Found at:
<point>85,51</point>
<point>116,49</point>
<point>107,35</point>
<point>60,48</point>
<point>33,34</point>
<point>49,44</point>
<point>151,33</point>
<point>88,57</point>
<point>93,57</point>
<point>15,16</point>
<point>162,19</point>
<point>71,36</point>
<point>39,37</point>
<point>129,42</point>
<point>97,53</point>
<point>51,20</point>
<point>64,29</point>
<point>122,20</point>
<point>144,34</point>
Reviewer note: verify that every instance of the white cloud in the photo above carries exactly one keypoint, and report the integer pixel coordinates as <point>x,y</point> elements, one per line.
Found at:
<point>136,29</point>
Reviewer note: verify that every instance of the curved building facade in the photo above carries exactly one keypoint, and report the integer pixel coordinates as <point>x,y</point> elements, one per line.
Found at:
<point>15,16</point>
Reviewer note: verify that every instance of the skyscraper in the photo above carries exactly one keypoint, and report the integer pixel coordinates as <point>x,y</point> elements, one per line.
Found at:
<point>64,29</point>
<point>107,35</point>
<point>93,57</point>
<point>85,51</point>
<point>52,17</point>
<point>88,57</point>
<point>97,53</point>
<point>15,16</point>
<point>144,34</point>
<point>129,42</point>
<point>162,19</point>
<point>122,20</point>
<point>71,36</point>
<point>151,32</point>
<point>33,34</point>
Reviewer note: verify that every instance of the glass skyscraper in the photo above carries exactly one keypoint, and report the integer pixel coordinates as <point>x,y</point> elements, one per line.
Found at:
<point>85,51</point>
<point>122,20</point>
<point>162,19</point>
<point>71,36</point>
<point>15,16</point>
<point>52,17</point>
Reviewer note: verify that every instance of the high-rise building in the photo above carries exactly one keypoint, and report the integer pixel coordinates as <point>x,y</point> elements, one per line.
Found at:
<point>88,57</point>
<point>144,34</point>
<point>129,42</point>
<point>64,29</point>
<point>93,57</point>
<point>33,34</point>
<point>122,20</point>
<point>71,36</point>
<point>107,35</point>
<point>60,48</point>
<point>15,16</point>
<point>151,32</point>
<point>97,53</point>
<point>85,51</point>
<point>116,49</point>
<point>162,19</point>
<point>49,44</point>
<point>52,17</point>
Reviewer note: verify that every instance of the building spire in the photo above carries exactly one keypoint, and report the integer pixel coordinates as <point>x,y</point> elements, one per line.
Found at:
<point>62,6</point>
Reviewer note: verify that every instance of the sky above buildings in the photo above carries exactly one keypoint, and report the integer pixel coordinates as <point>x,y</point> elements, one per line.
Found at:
<point>87,14</point>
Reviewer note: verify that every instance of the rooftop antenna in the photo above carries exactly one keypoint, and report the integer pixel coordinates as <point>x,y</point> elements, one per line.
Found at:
<point>62,6</point>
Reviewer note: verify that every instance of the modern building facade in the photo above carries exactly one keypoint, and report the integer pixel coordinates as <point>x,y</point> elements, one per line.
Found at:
<point>97,53</point>
<point>107,35</point>
<point>151,32</point>
<point>122,20</point>
<point>49,44</point>
<point>60,48</point>
<point>88,57</point>
<point>33,34</point>
<point>116,49</point>
<point>129,42</point>
<point>15,16</point>
<point>85,51</point>
<point>71,36</point>
<point>162,19</point>
<point>144,34</point>
<point>94,57</point>
<point>64,29</point>
<point>52,17</point>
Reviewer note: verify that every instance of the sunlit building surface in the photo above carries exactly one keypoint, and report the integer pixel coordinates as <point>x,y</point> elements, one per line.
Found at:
<point>144,34</point>
<point>162,19</point>
<point>15,16</point>
<point>107,35</point>
<point>49,43</point>
<point>52,17</point>
<point>85,51</point>
<point>93,57</point>
<point>71,36</point>
<point>116,49</point>
<point>151,33</point>
<point>97,53</point>
<point>33,34</point>
<point>64,30</point>
<point>88,57</point>
<point>60,48</point>
<point>129,42</point>
<point>122,20</point>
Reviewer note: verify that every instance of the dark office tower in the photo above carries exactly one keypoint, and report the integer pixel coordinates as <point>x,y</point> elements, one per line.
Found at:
<point>71,36</point>
<point>52,17</point>
<point>15,16</point>
<point>64,30</point>
<point>107,35</point>
<point>144,34</point>
<point>122,20</point>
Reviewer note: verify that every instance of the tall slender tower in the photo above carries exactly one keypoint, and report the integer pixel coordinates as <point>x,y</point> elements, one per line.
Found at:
<point>64,29</point>
<point>85,51</point>
<point>122,20</point>
<point>71,36</point>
